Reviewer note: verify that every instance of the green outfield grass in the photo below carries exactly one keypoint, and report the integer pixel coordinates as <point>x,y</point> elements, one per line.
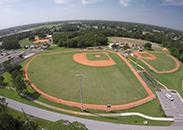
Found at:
<point>97,56</point>
<point>162,61</point>
<point>56,75</point>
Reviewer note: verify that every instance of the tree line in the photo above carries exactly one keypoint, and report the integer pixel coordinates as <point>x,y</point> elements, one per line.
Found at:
<point>83,39</point>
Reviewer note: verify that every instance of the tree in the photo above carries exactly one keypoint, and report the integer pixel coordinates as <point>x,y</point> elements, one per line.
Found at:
<point>126,46</point>
<point>10,67</point>
<point>17,76</point>
<point>3,105</point>
<point>1,80</point>
<point>19,84</point>
<point>148,45</point>
<point>8,122</point>
<point>31,37</point>
<point>29,125</point>
<point>10,43</point>
<point>66,125</point>
<point>18,80</point>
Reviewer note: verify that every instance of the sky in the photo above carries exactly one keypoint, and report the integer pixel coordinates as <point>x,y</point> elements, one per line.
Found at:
<point>167,13</point>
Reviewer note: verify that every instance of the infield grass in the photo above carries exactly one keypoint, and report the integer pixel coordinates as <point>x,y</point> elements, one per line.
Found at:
<point>97,56</point>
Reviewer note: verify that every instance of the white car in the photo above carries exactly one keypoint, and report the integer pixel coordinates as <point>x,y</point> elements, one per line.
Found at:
<point>169,97</point>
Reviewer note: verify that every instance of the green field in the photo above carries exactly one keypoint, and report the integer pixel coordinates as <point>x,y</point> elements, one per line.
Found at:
<point>162,61</point>
<point>56,75</point>
<point>25,42</point>
<point>96,56</point>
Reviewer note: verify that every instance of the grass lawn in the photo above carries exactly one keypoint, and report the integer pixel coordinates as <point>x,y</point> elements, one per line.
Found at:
<point>162,61</point>
<point>115,84</point>
<point>97,56</point>
<point>25,42</point>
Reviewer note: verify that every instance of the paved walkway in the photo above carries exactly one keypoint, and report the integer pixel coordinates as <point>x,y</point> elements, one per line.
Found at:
<point>90,124</point>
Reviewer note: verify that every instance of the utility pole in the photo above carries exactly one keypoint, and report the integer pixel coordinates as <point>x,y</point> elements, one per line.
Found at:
<point>81,76</point>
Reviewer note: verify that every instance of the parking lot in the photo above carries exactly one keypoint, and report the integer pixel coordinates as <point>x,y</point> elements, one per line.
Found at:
<point>14,56</point>
<point>172,108</point>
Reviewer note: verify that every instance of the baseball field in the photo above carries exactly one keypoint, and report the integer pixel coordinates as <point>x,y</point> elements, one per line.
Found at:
<point>56,75</point>
<point>159,61</point>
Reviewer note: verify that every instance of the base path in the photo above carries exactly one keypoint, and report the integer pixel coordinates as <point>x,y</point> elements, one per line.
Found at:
<point>90,124</point>
<point>150,56</point>
<point>150,96</point>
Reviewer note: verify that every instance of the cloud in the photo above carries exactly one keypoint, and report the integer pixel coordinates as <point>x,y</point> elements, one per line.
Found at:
<point>84,2</point>
<point>62,1</point>
<point>8,5</point>
<point>8,2</point>
<point>172,2</point>
<point>125,3</point>
<point>88,1</point>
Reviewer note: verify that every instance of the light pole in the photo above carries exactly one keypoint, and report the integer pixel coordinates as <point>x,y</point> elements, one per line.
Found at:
<point>81,76</point>
<point>136,63</point>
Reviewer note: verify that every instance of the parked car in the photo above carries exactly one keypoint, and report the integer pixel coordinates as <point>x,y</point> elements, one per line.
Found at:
<point>169,97</point>
<point>26,47</point>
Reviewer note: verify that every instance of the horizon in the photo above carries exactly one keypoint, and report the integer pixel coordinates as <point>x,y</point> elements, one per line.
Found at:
<point>83,20</point>
<point>162,13</point>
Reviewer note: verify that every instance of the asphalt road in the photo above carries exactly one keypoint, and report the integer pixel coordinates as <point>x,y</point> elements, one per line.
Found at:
<point>90,124</point>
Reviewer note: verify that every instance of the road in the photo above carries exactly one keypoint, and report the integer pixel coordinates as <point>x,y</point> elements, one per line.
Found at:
<point>90,124</point>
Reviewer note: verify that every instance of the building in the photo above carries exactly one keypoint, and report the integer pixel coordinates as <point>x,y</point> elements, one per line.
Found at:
<point>48,39</point>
